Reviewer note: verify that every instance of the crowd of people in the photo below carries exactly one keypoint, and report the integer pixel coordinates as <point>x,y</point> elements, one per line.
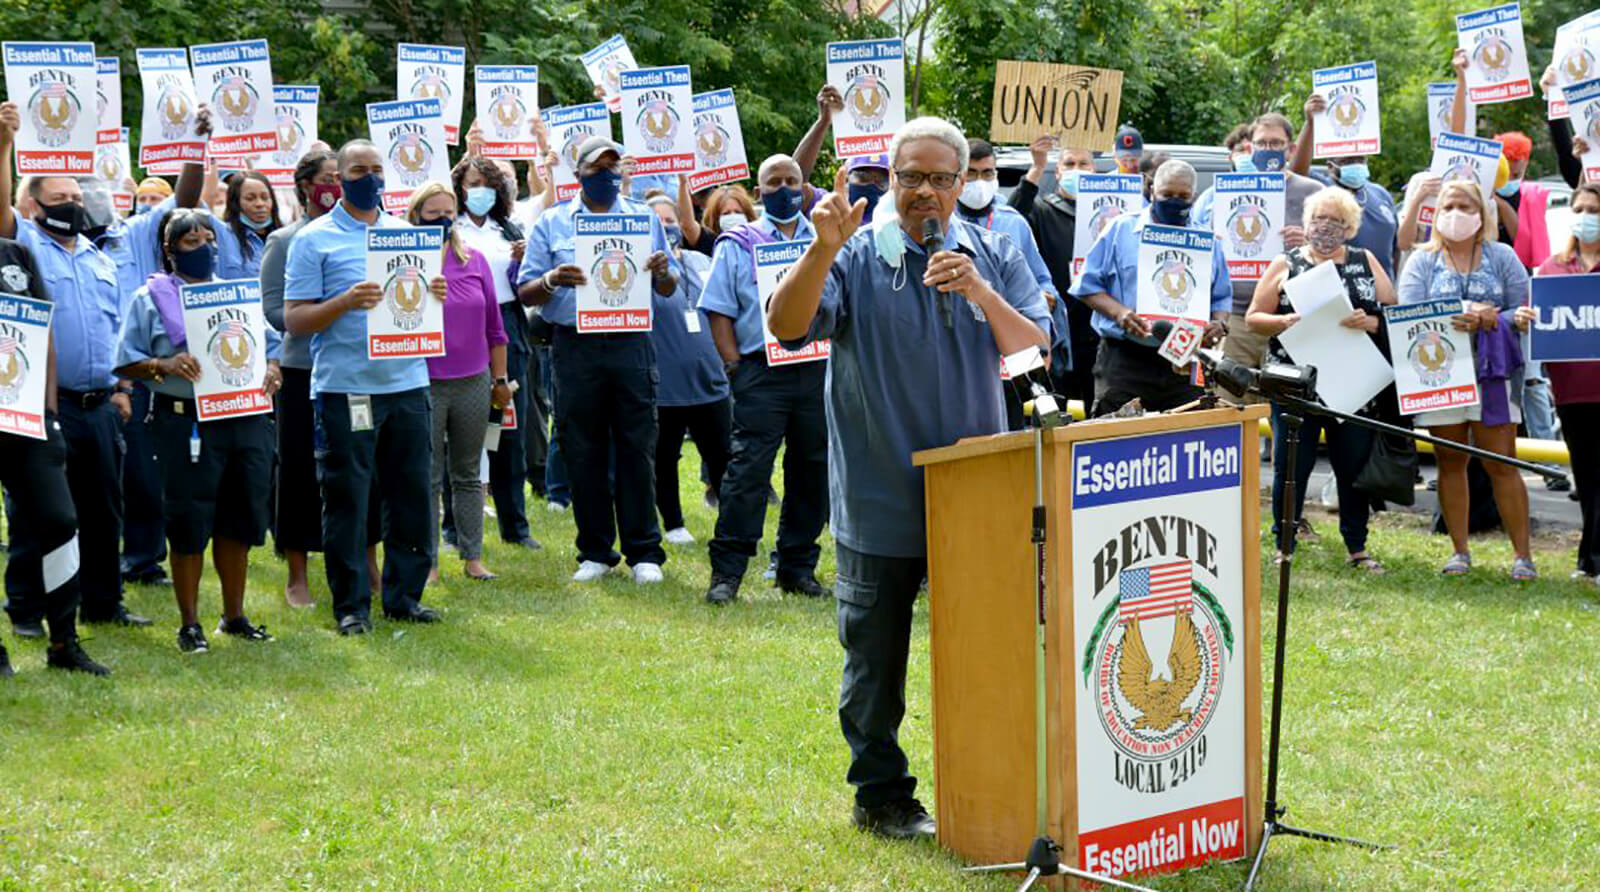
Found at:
<point>361,453</point>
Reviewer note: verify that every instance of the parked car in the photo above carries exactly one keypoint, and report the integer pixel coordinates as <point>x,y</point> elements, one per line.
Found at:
<point>1014,161</point>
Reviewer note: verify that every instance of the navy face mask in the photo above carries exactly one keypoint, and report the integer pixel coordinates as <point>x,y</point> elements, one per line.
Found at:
<point>1269,160</point>
<point>364,193</point>
<point>196,263</point>
<point>1171,211</point>
<point>601,187</point>
<point>782,204</point>
<point>871,192</point>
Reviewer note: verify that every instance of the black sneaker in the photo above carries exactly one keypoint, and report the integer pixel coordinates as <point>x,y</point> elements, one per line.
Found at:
<point>122,617</point>
<point>527,542</point>
<point>1558,484</point>
<point>901,819</point>
<point>5,663</point>
<point>724,589</point>
<point>27,628</point>
<point>192,640</point>
<point>71,658</point>
<point>354,625</point>
<point>416,613</point>
<point>241,628</point>
<point>803,585</point>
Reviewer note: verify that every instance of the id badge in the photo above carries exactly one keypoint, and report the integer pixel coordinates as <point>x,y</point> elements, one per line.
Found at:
<point>360,413</point>
<point>691,321</point>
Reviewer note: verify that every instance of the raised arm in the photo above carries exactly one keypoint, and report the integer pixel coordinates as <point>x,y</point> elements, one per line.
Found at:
<point>686,216</point>
<point>829,100</point>
<point>191,186</point>
<point>10,120</point>
<point>1305,146</point>
<point>794,303</point>
<point>1458,106</point>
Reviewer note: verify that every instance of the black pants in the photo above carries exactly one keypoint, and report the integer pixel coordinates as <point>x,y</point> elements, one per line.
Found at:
<point>536,430</point>
<point>94,446</point>
<point>1123,371</point>
<point>710,425</point>
<point>608,404</point>
<point>1349,447</point>
<point>875,598</point>
<point>224,491</point>
<point>144,542</point>
<point>774,407</point>
<point>299,514</point>
<point>508,463</point>
<point>43,522</point>
<point>391,462</point>
<point>1580,427</point>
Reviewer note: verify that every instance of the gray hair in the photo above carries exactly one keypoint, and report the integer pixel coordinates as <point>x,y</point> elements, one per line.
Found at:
<point>1173,170</point>
<point>931,128</point>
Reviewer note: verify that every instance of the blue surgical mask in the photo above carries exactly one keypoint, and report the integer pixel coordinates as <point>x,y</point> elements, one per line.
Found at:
<point>601,187</point>
<point>1068,184</point>
<point>1511,188</point>
<point>782,204</point>
<point>1354,176</point>
<point>142,209</point>
<point>1171,211</point>
<point>1268,160</point>
<point>364,193</point>
<point>196,264</point>
<point>1586,226</point>
<point>253,224</point>
<point>1243,163</point>
<point>886,239</point>
<point>442,222</point>
<point>674,235</point>
<point>870,191</point>
<point>480,200</point>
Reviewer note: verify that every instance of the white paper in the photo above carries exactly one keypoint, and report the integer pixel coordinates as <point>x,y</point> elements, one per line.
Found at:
<point>1574,58</point>
<point>24,354</point>
<point>718,142</point>
<point>1497,61</point>
<point>871,76</point>
<point>409,321</point>
<point>1174,273</point>
<point>112,164</point>
<point>434,72</point>
<point>1102,198</point>
<point>613,249</point>
<point>569,126</point>
<point>1350,125</point>
<point>235,79</point>
<point>773,261</point>
<point>297,130</point>
<point>227,333</point>
<point>53,85</point>
<point>1433,364</point>
<point>1247,215</point>
<point>605,63</point>
<point>506,99</point>
<point>1583,104</point>
<point>657,116</point>
<point>409,135</point>
<point>1350,368</point>
<point>108,98</point>
<point>166,132</point>
<point>1441,100</point>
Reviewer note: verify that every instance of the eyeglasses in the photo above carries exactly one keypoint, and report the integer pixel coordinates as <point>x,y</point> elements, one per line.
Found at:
<point>990,174</point>
<point>1271,145</point>
<point>941,181</point>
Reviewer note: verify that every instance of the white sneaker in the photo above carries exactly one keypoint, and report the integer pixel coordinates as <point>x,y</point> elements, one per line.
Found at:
<point>647,574</point>
<point>679,536</point>
<point>589,571</point>
<point>555,507</point>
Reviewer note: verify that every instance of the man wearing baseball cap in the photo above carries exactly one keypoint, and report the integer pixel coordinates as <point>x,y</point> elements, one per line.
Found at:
<point>1128,149</point>
<point>606,381</point>
<point>866,176</point>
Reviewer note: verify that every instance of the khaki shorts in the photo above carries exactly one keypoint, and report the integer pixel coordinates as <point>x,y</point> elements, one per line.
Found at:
<point>1244,346</point>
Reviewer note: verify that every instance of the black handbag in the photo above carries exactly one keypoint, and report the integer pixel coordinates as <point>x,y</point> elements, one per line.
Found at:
<point>1390,473</point>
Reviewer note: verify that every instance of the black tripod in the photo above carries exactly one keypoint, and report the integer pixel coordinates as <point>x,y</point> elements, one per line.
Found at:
<point>1296,407</point>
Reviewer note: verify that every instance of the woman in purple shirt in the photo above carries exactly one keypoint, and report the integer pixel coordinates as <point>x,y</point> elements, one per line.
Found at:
<point>460,385</point>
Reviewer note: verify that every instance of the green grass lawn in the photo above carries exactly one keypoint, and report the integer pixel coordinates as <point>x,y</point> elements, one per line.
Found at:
<point>557,736</point>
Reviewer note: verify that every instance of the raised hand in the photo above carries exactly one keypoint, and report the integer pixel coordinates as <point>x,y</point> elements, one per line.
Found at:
<point>835,220</point>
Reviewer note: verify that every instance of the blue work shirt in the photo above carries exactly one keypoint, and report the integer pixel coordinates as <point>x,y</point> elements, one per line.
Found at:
<point>1006,220</point>
<point>327,258</point>
<point>1112,267</point>
<point>231,260</point>
<point>133,245</point>
<point>690,368</point>
<point>641,185</point>
<point>900,381</point>
<point>1380,227</point>
<point>143,337</point>
<point>731,286</point>
<point>83,285</point>
<point>550,245</point>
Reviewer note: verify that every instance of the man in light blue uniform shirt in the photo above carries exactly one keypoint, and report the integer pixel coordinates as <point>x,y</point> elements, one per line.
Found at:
<point>1127,365</point>
<point>904,325</point>
<point>773,406</point>
<point>607,382</point>
<point>374,428</point>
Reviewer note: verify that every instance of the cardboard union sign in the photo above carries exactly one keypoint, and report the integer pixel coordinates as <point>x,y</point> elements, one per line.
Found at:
<point>1076,104</point>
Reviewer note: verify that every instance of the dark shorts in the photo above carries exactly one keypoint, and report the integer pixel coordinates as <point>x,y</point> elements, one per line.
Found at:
<point>225,491</point>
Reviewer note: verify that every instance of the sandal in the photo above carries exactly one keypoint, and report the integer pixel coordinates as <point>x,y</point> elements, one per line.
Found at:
<point>1305,533</point>
<point>1368,563</point>
<point>1458,565</point>
<point>1523,570</point>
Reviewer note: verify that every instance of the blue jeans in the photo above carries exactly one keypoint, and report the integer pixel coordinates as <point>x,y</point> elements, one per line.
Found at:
<point>1538,409</point>
<point>1349,447</point>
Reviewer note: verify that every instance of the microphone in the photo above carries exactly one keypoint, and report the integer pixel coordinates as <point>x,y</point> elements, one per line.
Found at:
<point>1160,330</point>
<point>933,240</point>
<point>1234,377</point>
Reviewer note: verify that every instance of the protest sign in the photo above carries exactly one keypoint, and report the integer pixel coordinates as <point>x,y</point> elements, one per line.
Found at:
<point>1573,58</point>
<point>1457,157</point>
<point>506,100</point>
<point>718,142</point>
<point>871,76</point>
<point>605,64</point>
<point>773,262</point>
<point>297,129</point>
<point>1351,370</point>
<point>112,164</point>
<point>1567,323</point>
<point>52,84</point>
<point>1077,105</point>
<point>235,79</point>
<point>1497,61</point>
<point>434,72</point>
<point>1583,105</point>
<point>569,126</point>
<point>409,321</point>
<point>1174,273</point>
<point>166,132</point>
<point>612,250</point>
<point>108,99</point>
<point>24,356</point>
<point>1349,125</point>
<point>227,333</point>
<point>657,108</point>
<point>1433,367</point>
<point>1441,102</point>
<point>1247,212</point>
<point>1102,197</point>
<point>409,135</point>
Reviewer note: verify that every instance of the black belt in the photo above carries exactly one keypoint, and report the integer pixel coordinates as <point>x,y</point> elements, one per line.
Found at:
<point>83,399</point>
<point>609,335</point>
<point>173,404</point>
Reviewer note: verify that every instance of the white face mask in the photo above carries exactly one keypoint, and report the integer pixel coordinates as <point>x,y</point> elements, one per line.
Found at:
<point>977,194</point>
<point>730,221</point>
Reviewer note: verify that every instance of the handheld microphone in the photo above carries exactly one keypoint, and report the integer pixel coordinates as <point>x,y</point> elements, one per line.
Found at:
<point>933,240</point>
<point>1160,330</point>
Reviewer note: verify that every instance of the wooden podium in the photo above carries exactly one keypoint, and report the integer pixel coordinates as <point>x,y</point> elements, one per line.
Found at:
<point>1151,628</point>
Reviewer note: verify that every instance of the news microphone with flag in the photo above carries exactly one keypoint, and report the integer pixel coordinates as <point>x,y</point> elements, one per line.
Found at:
<point>1160,330</point>
<point>933,240</point>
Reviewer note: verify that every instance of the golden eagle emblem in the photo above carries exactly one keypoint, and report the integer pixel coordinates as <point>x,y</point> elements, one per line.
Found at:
<point>613,274</point>
<point>868,101</point>
<point>1576,65</point>
<point>1431,357</point>
<point>10,370</point>
<point>54,110</point>
<point>403,296</point>
<point>1160,700</point>
<point>1173,286</point>
<point>232,353</point>
<point>658,122</point>
<point>1494,59</point>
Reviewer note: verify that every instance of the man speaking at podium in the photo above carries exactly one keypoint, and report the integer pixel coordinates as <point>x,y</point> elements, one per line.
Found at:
<point>920,307</point>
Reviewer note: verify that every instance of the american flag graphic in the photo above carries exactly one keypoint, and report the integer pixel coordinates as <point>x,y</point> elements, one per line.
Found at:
<point>231,329</point>
<point>8,345</point>
<point>1155,591</point>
